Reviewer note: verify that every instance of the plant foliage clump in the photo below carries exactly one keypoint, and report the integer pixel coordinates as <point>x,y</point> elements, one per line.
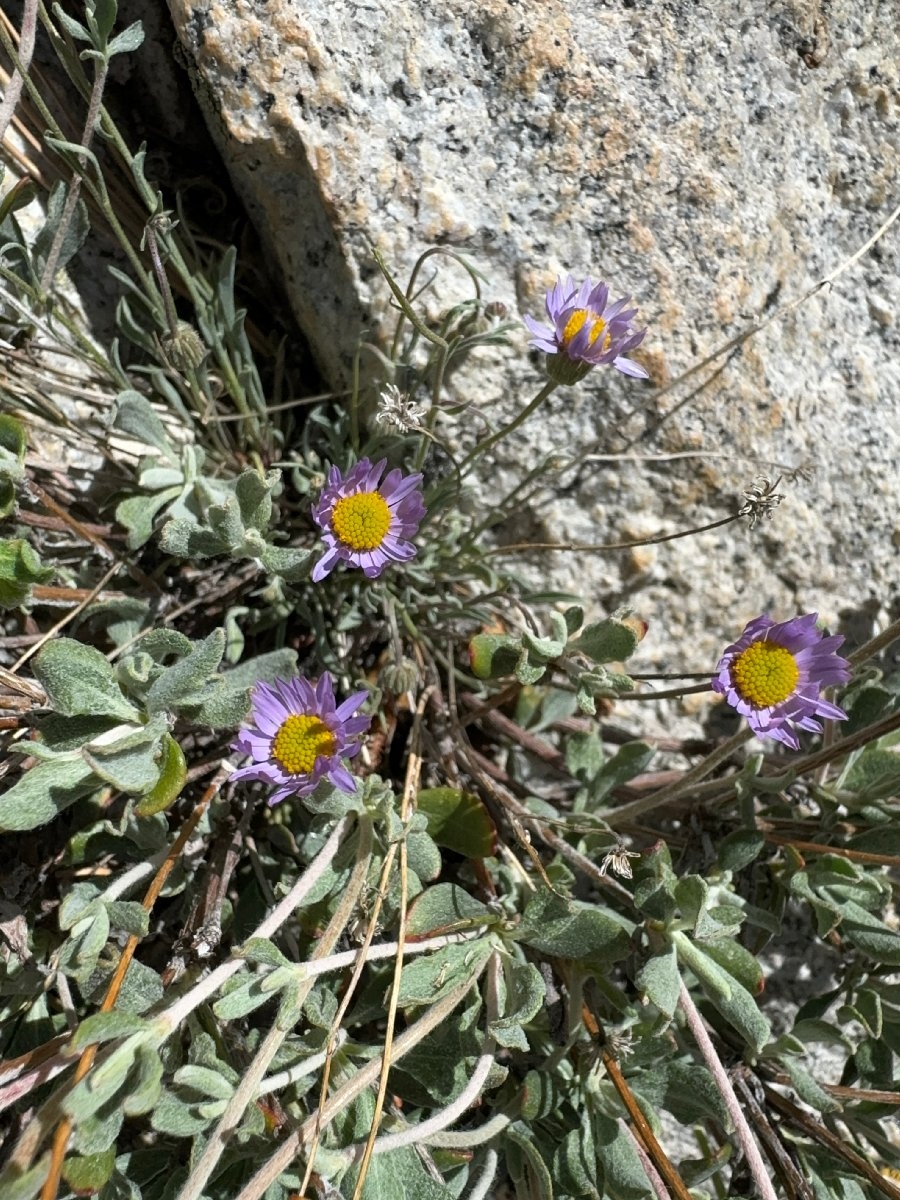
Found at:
<point>334,859</point>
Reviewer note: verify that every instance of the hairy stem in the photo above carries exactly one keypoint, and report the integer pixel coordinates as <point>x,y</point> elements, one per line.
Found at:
<point>50,267</point>
<point>169,1021</point>
<point>419,1134</point>
<point>354,1087</point>
<point>248,1089</point>
<point>483,446</point>
<point>407,804</point>
<point>742,1130</point>
<point>26,49</point>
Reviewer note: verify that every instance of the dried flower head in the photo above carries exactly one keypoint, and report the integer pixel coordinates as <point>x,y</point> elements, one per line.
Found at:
<point>298,736</point>
<point>616,859</point>
<point>365,523</point>
<point>774,674</point>
<point>397,411</point>
<point>586,331</point>
<point>760,500</point>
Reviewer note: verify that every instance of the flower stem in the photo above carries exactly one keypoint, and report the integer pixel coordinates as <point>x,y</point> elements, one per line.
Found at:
<point>627,812</point>
<point>483,446</point>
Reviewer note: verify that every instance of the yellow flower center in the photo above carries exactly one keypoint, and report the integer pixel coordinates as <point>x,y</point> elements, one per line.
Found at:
<point>576,323</point>
<point>361,521</point>
<point>300,742</point>
<point>765,674</point>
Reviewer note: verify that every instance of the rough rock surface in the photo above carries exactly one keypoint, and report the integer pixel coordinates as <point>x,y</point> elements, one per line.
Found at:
<point>712,159</point>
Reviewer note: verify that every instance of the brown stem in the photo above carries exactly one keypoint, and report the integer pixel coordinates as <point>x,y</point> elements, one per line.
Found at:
<point>742,1130</point>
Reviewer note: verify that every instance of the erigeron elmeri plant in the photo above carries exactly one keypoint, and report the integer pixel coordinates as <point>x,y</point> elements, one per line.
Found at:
<point>344,883</point>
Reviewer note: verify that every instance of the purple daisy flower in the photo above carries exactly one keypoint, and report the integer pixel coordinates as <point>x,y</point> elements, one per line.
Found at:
<point>586,331</point>
<point>774,674</point>
<point>298,736</point>
<point>367,524</point>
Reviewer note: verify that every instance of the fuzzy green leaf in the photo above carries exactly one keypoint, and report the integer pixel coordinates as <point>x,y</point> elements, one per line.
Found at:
<point>184,537</point>
<point>80,682</point>
<point>88,1173</point>
<point>43,792</point>
<point>573,617</point>
<point>135,415</point>
<point>144,1082</point>
<point>172,1116</point>
<point>13,444</point>
<point>254,496</point>
<point>261,950</point>
<point>290,562</point>
<point>445,908</point>
<point>577,1170</point>
<point>623,1175</point>
<point>128,916</point>
<point>172,776</point>
<point>130,764</point>
<point>106,1080</point>
<point>807,1089</point>
<point>568,929</point>
<point>12,458</point>
<point>458,821</point>
<point>398,1175</point>
<point>729,996</point>
<point>20,570</point>
<point>659,980</point>
<point>27,1185</point>
<point>869,934</point>
<point>78,226</point>
<point>137,514</point>
<point>106,1027</point>
<point>98,1132</point>
<point>525,992</point>
<point>423,856</point>
<point>185,680</point>
<point>104,16</point>
<point>220,708</point>
<point>429,977</point>
<point>141,989</point>
<point>867,1009</point>
<point>740,848</point>
<point>528,671</point>
<point>584,755</point>
<point>205,1081</point>
<point>606,641</point>
<point>737,961</point>
<point>874,775</point>
<point>628,761</point>
<point>530,1174</point>
<point>243,998</point>
<point>130,39</point>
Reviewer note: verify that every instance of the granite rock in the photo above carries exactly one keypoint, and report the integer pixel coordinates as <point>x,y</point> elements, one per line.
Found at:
<point>714,160</point>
